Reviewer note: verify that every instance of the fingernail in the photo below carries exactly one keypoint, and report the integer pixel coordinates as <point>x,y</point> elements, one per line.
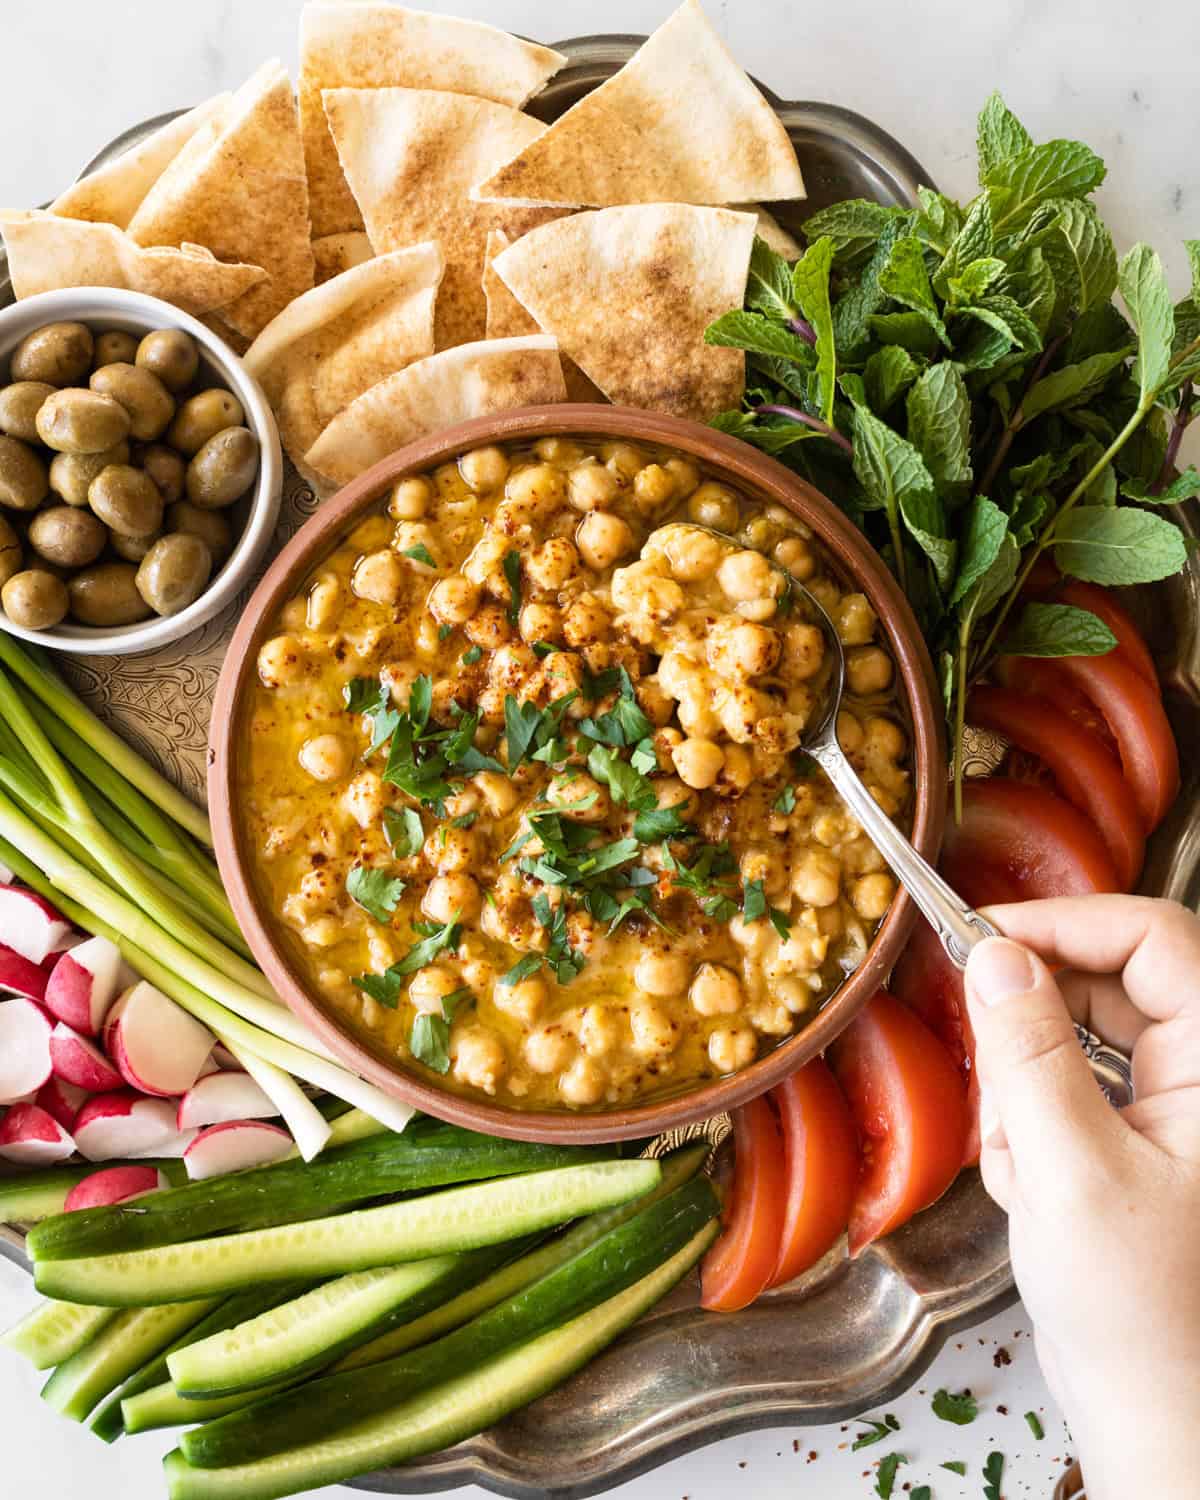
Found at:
<point>991,1131</point>
<point>998,969</point>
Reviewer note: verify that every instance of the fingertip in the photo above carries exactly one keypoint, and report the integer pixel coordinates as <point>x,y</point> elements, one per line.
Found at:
<point>999,969</point>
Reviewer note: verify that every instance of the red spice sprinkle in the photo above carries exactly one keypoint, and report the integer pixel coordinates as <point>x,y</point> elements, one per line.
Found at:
<point>1001,1358</point>
<point>812,1457</point>
<point>1003,1410</point>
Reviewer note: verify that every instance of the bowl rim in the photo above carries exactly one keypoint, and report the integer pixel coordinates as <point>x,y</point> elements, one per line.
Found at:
<point>750,469</point>
<point>146,313</point>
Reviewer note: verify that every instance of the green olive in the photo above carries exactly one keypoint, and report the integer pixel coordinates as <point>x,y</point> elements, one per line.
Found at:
<point>170,354</point>
<point>107,595</point>
<point>126,500</point>
<point>115,348</point>
<point>167,470</point>
<point>203,417</point>
<point>60,354</point>
<point>23,477</point>
<point>35,599</point>
<point>72,473</point>
<point>224,469</point>
<point>19,406</point>
<point>149,404</point>
<point>174,572</point>
<point>10,552</point>
<point>69,537</point>
<point>78,421</point>
<point>209,525</point>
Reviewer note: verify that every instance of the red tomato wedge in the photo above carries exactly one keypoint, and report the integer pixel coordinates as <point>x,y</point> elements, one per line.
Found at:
<point>1131,708</point>
<point>1084,770</point>
<point>1131,648</point>
<point>909,1104</point>
<point>740,1264</point>
<point>820,1153</point>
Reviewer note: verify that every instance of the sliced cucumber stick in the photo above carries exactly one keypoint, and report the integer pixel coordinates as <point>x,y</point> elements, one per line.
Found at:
<point>447,1414</point>
<point>163,1406</point>
<point>463,1218</point>
<point>128,1341</point>
<point>54,1331</point>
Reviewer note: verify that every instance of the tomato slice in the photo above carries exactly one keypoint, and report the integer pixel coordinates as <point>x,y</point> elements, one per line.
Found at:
<point>820,1153</point>
<point>1131,708</point>
<point>1084,770</point>
<point>740,1264</point>
<point>1131,648</point>
<point>907,1099</point>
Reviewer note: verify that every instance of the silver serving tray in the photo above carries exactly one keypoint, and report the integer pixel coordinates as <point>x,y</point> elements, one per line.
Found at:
<point>849,1335</point>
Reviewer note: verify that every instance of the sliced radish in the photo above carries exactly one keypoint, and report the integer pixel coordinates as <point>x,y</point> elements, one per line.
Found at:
<point>156,1045</point>
<point>81,1062</point>
<point>233,1146</point>
<point>61,1099</point>
<point>123,1124</point>
<point>113,1185</point>
<point>32,1138</point>
<point>24,1049</point>
<point>174,1146</point>
<point>83,985</point>
<point>30,924</point>
<point>20,977</point>
<point>222,1097</point>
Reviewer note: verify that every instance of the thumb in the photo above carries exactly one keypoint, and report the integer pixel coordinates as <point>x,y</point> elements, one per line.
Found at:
<point>1032,1067</point>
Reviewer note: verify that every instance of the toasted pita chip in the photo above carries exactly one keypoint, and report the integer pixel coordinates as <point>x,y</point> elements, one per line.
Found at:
<point>114,192</point>
<point>471,380</point>
<point>679,123</point>
<point>387,46</point>
<point>411,157</point>
<point>335,253</point>
<point>340,339</point>
<point>238,186</point>
<point>628,293</point>
<point>46,252</point>
<point>507,319</point>
<point>772,231</point>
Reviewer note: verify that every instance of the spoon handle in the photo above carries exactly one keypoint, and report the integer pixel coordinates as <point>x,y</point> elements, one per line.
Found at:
<point>956,924</point>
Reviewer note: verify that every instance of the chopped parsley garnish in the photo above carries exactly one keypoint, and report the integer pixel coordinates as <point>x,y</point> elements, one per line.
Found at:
<point>707,879</point>
<point>600,684</point>
<point>993,1473</point>
<point>512,571</point>
<point>435,939</point>
<point>959,1409</point>
<point>564,961</point>
<point>421,757</point>
<point>625,784</point>
<point>658,823</point>
<point>464,820</point>
<point>956,1466</point>
<point>471,655</point>
<point>545,648</point>
<point>429,1039</point>
<point>644,757</point>
<point>624,723</point>
<point>420,553</point>
<point>524,968</point>
<point>377,892</point>
<point>1035,1425</point>
<point>445,632</point>
<point>922,1492</point>
<point>755,907</point>
<point>403,830</point>
<point>364,695</point>
<point>885,1479</point>
<point>786,801</point>
<point>875,1432</point>
<point>529,730</point>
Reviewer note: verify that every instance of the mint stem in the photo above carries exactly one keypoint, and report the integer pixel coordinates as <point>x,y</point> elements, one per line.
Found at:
<point>794,414</point>
<point>803,329</point>
<point>1017,420</point>
<point>1182,417</point>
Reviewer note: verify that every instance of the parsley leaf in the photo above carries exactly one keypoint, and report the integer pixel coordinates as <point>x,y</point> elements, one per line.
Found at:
<point>781,922</point>
<point>528,730</point>
<point>786,801</point>
<point>377,892</point>
<point>959,1409</point>
<point>445,632</point>
<point>709,879</point>
<point>754,902</point>
<point>876,1432</point>
<point>512,571</point>
<point>993,1473</point>
<point>364,695</point>
<point>420,553</point>
<point>429,1038</point>
<point>471,655</point>
<point>658,823</point>
<point>524,968</point>
<point>885,1480</point>
<point>420,701</point>
<point>625,784</point>
<point>955,1465</point>
<point>1035,1425</point>
<point>921,1492</point>
<point>644,758</point>
<point>386,987</point>
<point>403,830</point>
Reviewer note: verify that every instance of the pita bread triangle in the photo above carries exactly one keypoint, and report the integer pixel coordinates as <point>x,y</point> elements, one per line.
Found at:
<point>628,293</point>
<point>346,45</point>
<point>335,253</point>
<point>238,186</point>
<point>680,122</point>
<point>411,157</point>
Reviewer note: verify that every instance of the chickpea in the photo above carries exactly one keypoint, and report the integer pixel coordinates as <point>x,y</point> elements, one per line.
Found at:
<point>497,791</point>
<point>453,600</point>
<point>871,895</point>
<point>669,791</point>
<point>715,991</point>
<point>731,1048</point>
<point>322,933</point>
<point>794,554</point>
<point>540,622</point>
<point>855,620</point>
<point>525,1000</point>
<point>883,738</point>
<point>745,576</point>
<point>662,973</point>
<point>665,742</point>
<point>868,670</point>
<point>325,757</point>
<point>582,1083</point>
<point>484,468</point>
<point>694,555</point>
<point>738,771</point>
<point>740,710</point>
<point>603,540</point>
<point>548,1049</point>
<point>685,475</point>
<point>591,486</point>
<point>429,987</point>
<point>552,565</point>
<point>536,491</point>
<point>654,701</point>
<point>653,488</point>
<point>558,450</point>
<point>281,660</point>
<point>586,621</point>
<point>746,650</point>
<point>488,627</point>
<point>378,577</point>
<point>698,762</point>
<point>803,651</point>
<point>829,829</point>
<point>324,600</point>
<point>818,877</point>
<point>363,799</point>
<point>477,1056</point>
<point>654,1033</point>
<point>885,798</point>
<point>410,498</point>
<point>449,897</point>
<point>451,851</point>
<point>849,732</point>
<point>714,505</point>
<point>623,460</point>
<point>598,1030</point>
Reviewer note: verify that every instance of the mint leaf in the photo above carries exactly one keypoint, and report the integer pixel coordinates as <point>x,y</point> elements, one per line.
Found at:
<point>1058,630</point>
<point>854,226</point>
<point>939,425</point>
<point>887,374</point>
<point>939,220</point>
<point>983,536</point>
<point>1073,385</point>
<point>1185,486</point>
<point>769,283</point>
<point>921,1492</point>
<point>1143,285</point>
<point>1081,255</point>
<point>991,587</point>
<point>758,334</point>
<point>377,892</point>
<point>403,830</point>
<point>420,553</point>
<point>1037,174</point>
<point>1008,319</point>
<point>1030,509</point>
<point>906,280</point>
<point>876,1431</point>
<point>885,1479</point>
<point>854,310</point>
<point>960,1409</point>
<point>974,241</point>
<point>974,279</point>
<point>810,283</point>
<point>993,1473</point>
<point>999,136</point>
<point>1117,546</point>
<point>906,330</point>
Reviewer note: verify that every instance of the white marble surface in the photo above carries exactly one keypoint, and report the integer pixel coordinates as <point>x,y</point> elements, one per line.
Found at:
<point>1120,75</point>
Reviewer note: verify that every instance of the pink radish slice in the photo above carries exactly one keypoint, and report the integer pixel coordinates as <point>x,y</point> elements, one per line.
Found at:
<point>81,1062</point>
<point>113,1185</point>
<point>175,1145</point>
<point>61,1099</point>
<point>155,1044</point>
<point>123,1124</point>
<point>20,977</point>
<point>30,924</point>
<point>221,1098</point>
<point>83,985</point>
<point>233,1146</point>
<point>32,1138</point>
<point>24,1049</point>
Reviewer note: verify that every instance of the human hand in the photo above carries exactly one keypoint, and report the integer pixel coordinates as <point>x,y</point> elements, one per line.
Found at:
<point>1103,1205</point>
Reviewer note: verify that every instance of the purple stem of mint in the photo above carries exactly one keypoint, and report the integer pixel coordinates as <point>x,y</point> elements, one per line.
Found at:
<point>794,414</point>
<point>1183,416</point>
<point>1014,422</point>
<point>803,330</point>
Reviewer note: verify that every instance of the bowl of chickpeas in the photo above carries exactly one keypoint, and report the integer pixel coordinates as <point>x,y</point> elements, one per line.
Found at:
<point>508,784</point>
<point>140,472</point>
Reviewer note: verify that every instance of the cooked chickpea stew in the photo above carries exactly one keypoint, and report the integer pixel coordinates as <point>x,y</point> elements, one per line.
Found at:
<point>521,777</point>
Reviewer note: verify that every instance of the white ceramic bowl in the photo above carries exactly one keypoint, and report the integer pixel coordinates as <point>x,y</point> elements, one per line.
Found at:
<point>105,308</point>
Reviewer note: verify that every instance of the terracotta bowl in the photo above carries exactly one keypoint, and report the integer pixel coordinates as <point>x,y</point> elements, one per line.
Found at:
<point>725,458</point>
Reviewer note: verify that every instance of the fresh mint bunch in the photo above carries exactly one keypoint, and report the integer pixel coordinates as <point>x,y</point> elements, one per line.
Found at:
<point>959,380</point>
